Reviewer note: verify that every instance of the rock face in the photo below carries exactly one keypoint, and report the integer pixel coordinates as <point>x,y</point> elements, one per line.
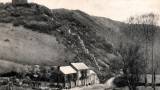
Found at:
<point>19,2</point>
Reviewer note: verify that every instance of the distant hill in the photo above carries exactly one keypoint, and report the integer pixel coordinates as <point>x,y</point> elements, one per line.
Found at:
<point>33,34</point>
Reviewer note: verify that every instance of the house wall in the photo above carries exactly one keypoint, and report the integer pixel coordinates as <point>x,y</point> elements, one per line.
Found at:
<point>68,81</point>
<point>93,79</point>
<point>82,78</point>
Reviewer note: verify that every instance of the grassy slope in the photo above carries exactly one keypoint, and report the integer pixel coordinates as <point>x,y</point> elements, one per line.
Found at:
<point>24,46</point>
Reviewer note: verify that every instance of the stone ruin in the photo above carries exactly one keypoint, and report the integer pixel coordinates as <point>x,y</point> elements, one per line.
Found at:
<point>19,2</point>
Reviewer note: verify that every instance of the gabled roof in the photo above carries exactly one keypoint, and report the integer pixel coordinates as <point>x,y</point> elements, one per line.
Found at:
<point>80,66</point>
<point>67,70</point>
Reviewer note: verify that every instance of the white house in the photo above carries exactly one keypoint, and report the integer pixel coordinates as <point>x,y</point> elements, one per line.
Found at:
<point>85,76</point>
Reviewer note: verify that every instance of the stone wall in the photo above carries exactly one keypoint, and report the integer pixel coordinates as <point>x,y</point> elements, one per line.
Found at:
<point>17,2</point>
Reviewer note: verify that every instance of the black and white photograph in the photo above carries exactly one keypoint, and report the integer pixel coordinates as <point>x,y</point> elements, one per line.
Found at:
<point>79,44</point>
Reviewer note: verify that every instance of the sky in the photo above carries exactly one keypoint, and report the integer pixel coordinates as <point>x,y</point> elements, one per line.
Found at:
<point>115,9</point>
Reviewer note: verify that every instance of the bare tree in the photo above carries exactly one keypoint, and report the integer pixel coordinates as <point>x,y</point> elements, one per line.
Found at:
<point>145,25</point>
<point>132,59</point>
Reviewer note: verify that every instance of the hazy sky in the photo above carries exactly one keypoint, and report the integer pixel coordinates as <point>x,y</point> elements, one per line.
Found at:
<point>114,9</point>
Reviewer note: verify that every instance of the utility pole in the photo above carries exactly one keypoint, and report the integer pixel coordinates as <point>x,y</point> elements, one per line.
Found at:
<point>153,69</point>
<point>146,51</point>
<point>153,31</point>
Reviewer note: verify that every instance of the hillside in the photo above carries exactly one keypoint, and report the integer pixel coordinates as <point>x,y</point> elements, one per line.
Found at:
<point>33,34</point>
<point>25,46</point>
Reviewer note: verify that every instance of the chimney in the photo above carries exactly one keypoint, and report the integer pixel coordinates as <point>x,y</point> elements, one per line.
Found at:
<point>58,67</point>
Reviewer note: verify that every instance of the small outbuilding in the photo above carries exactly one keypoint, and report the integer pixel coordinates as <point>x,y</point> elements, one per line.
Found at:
<point>93,78</point>
<point>19,2</point>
